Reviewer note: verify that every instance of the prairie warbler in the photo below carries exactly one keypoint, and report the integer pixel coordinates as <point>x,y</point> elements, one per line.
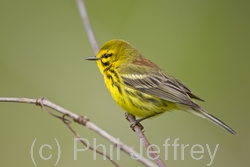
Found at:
<point>142,88</point>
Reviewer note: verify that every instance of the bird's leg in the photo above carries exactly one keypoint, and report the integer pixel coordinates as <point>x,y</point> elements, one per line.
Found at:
<point>137,122</point>
<point>134,122</point>
<point>149,116</point>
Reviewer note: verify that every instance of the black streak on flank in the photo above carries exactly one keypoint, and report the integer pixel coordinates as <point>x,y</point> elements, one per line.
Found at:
<point>119,88</point>
<point>113,83</point>
<point>152,100</point>
<point>107,68</point>
<point>129,93</point>
<point>122,99</point>
<point>147,100</point>
<point>115,74</point>
<point>140,94</point>
<point>131,102</point>
<point>111,78</point>
<point>141,107</point>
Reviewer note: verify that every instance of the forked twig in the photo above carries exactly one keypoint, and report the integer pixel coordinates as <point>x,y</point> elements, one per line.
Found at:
<point>83,121</point>
<point>67,122</point>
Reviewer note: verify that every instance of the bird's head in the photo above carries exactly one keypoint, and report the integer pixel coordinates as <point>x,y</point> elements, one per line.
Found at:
<point>115,53</point>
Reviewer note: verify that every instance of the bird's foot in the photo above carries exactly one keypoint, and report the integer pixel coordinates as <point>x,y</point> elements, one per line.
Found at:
<point>133,121</point>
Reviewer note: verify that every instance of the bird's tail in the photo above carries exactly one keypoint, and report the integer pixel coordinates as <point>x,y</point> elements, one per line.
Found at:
<point>202,113</point>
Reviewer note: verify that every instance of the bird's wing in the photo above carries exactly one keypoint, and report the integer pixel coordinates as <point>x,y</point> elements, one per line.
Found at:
<point>149,78</point>
<point>188,91</point>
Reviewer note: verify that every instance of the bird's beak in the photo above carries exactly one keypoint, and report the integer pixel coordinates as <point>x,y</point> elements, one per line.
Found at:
<point>93,58</point>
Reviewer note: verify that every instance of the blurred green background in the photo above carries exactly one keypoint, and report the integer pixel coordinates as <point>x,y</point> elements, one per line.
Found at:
<point>205,44</point>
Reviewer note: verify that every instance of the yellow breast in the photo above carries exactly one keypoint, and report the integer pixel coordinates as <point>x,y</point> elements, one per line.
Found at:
<point>133,101</point>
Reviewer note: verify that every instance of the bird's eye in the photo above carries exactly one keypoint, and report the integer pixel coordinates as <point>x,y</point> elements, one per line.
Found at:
<point>106,56</point>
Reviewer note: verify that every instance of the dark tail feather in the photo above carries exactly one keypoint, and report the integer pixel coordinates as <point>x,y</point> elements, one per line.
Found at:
<point>202,113</point>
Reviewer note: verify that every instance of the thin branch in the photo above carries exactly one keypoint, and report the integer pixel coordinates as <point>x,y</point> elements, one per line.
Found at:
<point>85,20</point>
<point>145,141</point>
<point>67,122</point>
<point>83,13</point>
<point>83,121</point>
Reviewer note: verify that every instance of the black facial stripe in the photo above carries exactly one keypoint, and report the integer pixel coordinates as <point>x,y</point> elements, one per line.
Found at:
<point>104,64</point>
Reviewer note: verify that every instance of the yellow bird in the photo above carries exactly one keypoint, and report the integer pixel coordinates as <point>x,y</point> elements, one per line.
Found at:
<point>142,88</point>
